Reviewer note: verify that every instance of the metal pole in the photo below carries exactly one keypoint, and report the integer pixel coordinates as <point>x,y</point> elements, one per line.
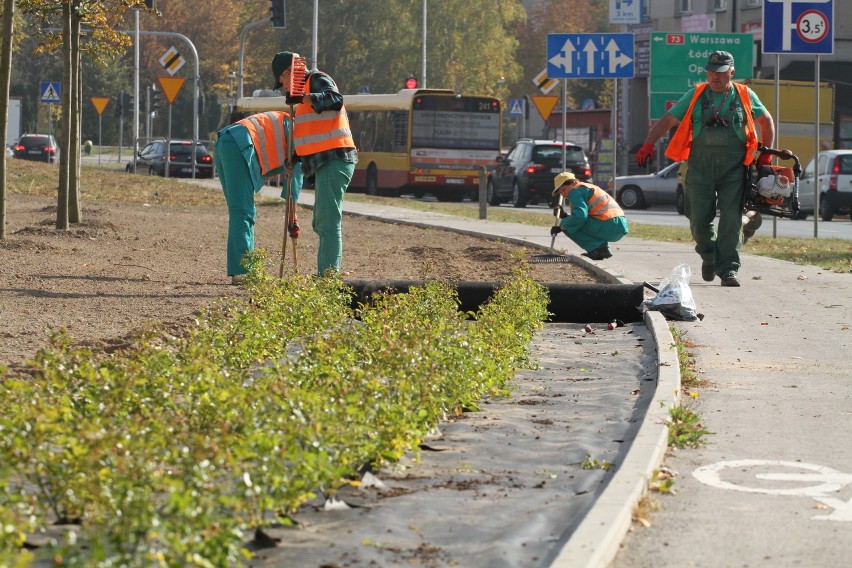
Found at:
<point>614,132</point>
<point>243,33</point>
<point>564,123</point>
<point>148,111</point>
<point>816,146</point>
<point>135,129</point>
<point>423,74</point>
<point>314,36</point>
<point>483,194</point>
<point>777,125</point>
<point>100,137</point>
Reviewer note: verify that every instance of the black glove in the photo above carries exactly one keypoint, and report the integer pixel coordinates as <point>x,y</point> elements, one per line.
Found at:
<point>558,210</point>
<point>555,230</point>
<point>290,100</point>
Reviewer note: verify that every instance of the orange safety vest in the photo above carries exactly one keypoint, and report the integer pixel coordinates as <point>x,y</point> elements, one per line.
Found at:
<point>269,138</point>
<point>318,132</point>
<point>681,142</point>
<point>601,205</point>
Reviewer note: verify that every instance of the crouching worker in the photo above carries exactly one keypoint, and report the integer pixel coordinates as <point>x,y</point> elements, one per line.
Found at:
<point>595,219</point>
<point>247,152</point>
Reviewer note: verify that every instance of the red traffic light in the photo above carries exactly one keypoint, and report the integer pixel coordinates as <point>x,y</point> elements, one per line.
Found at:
<point>411,83</point>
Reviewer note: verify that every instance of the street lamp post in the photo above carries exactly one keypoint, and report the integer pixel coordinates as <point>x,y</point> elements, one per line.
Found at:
<point>423,74</point>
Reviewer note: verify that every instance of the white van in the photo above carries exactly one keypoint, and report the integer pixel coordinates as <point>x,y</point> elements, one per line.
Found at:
<point>834,182</point>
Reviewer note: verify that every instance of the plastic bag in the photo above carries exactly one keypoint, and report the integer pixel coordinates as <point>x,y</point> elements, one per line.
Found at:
<point>674,299</point>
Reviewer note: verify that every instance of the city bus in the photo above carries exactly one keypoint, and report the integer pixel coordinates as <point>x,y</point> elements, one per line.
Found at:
<point>415,141</point>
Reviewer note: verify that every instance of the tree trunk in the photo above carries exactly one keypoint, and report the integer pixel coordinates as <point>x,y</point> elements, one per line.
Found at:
<point>74,154</point>
<point>65,134</point>
<point>5,79</point>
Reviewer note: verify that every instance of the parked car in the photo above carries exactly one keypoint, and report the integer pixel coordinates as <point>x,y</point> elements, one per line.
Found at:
<point>647,190</point>
<point>525,174</point>
<point>834,182</point>
<point>37,147</point>
<point>151,159</point>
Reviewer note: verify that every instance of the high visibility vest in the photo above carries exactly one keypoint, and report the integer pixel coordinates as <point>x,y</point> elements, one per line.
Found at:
<point>269,137</point>
<point>681,142</point>
<point>601,205</point>
<point>317,132</point>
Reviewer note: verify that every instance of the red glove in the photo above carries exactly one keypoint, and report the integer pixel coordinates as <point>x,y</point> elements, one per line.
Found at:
<point>644,155</point>
<point>764,159</point>
<point>294,229</point>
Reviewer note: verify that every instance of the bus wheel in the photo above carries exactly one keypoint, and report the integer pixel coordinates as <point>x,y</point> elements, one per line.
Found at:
<point>418,193</point>
<point>372,180</point>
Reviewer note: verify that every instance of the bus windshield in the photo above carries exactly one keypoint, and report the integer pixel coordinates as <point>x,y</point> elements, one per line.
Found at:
<point>455,122</point>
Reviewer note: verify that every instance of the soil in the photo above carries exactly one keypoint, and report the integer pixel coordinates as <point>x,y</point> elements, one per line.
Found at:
<point>130,265</point>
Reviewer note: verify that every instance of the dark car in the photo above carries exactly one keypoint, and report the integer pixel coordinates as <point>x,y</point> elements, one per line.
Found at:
<point>151,159</point>
<point>37,147</point>
<point>526,174</point>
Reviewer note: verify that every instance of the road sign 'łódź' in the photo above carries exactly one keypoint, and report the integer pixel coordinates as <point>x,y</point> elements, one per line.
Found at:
<point>678,59</point>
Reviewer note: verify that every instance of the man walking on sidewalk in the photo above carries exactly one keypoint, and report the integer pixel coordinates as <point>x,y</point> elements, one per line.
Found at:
<point>717,135</point>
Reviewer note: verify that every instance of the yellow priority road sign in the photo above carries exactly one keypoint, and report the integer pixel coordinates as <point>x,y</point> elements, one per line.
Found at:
<point>544,83</point>
<point>172,61</point>
<point>171,87</point>
<point>100,103</point>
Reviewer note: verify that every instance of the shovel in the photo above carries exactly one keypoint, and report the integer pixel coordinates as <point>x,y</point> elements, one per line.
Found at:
<point>551,256</point>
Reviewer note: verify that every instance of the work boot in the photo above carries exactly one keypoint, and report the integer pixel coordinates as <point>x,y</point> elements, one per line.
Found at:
<point>238,279</point>
<point>600,253</point>
<point>752,221</point>
<point>730,281</point>
<point>708,271</point>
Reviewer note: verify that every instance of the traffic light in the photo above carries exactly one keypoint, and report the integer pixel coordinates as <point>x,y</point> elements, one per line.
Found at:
<point>278,11</point>
<point>156,99</point>
<point>127,103</point>
<point>411,82</point>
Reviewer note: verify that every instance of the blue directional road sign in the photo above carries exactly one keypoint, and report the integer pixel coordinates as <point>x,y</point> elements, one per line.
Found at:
<point>790,26</point>
<point>50,92</point>
<point>589,56</point>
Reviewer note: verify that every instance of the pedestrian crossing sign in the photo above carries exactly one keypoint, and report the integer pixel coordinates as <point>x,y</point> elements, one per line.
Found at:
<point>516,107</point>
<point>50,92</point>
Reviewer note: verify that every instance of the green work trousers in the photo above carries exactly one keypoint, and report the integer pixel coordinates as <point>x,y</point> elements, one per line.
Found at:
<point>236,179</point>
<point>330,183</point>
<point>240,177</point>
<point>595,233</point>
<point>716,180</point>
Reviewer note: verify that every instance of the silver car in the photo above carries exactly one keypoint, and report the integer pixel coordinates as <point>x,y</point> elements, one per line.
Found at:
<point>643,191</point>
<point>835,185</point>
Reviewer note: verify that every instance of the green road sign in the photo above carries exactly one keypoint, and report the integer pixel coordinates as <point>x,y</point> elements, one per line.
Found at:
<point>678,59</point>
